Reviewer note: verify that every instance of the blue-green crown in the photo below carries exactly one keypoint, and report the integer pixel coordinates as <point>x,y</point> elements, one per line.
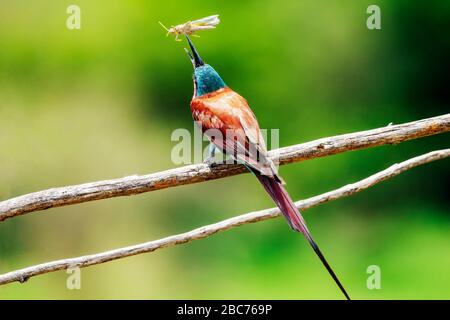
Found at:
<point>207,80</point>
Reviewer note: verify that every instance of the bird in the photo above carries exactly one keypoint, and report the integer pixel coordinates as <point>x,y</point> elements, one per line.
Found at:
<point>226,119</point>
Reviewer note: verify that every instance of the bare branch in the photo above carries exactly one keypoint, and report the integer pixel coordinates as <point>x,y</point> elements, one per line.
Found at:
<point>24,274</point>
<point>63,196</point>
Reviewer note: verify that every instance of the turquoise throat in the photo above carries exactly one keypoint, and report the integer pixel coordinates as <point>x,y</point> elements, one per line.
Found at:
<point>208,80</point>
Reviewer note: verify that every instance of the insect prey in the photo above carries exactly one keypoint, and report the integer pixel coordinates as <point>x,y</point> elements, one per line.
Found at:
<point>191,27</point>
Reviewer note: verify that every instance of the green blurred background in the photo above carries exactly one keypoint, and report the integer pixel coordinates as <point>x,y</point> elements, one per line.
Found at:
<point>102,102</point>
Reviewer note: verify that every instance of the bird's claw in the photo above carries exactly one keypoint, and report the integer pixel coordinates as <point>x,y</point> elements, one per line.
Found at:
<point>211,162</point>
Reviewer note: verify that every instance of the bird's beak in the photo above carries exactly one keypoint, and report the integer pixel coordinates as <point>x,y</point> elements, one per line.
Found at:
<point>195,57</point>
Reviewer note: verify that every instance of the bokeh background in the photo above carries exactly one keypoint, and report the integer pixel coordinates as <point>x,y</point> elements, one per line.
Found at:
<point>102,102</point>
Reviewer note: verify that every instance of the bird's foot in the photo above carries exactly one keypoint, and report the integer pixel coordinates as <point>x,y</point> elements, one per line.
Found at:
<point>212,162</point>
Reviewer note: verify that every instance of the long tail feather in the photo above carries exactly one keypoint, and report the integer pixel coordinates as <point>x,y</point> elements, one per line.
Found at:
<point>295,219</point>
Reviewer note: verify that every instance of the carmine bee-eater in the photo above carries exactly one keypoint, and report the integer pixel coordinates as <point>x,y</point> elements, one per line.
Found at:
<point>231,126</point>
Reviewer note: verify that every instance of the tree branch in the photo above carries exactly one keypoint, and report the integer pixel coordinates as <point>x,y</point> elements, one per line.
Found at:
<point>24,274</point>
<point>63,196</point>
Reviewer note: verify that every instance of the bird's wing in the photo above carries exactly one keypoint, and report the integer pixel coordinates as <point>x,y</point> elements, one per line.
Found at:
<point>240,135</point>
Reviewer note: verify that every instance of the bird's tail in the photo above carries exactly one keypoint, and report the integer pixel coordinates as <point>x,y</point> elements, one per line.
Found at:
<point>293,216</point>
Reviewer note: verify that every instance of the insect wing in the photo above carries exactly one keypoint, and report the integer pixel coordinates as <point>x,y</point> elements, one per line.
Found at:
<point>210,21</point>
<point>199,28</point>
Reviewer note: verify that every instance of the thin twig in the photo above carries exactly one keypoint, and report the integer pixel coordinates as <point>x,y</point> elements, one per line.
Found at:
<point>24,274</point>
<point>69,195</point>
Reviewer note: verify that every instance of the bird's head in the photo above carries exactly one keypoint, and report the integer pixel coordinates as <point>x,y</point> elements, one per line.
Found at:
<point>206,79</point>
